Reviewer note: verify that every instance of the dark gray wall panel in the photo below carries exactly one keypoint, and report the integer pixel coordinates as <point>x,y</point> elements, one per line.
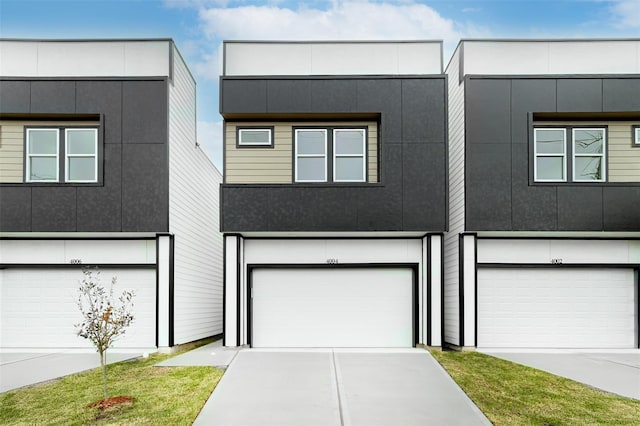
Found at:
<point>99,208</point>
<point>621,208</point>
<point>621,94</point>
<point>533,207</point>
<point>145,191</point>
<point>384,96</point>
<point>245,208</point>
<point>422,113</point>
<point>53,208</point>
<point>490,101</point>
<point>580,208</point>
<point>53,97</point>
<point>580,94</point>
<point>103,97</point>
<point>488,187</point>
<point>288,95</point>
<point>536,95</point>
<point>424,206</point>
<point>15,96</point>
<point>334,95</point>
<point>15,209</point>
<point>144,112</point>
<point>243,96</point>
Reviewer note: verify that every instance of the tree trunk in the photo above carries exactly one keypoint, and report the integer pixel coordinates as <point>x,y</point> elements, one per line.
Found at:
<point>103,364</point>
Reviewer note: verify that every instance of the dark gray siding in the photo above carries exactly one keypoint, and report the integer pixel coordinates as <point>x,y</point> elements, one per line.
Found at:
<point>499,191</point>
<point>411,195</point>
<point>134,191</point>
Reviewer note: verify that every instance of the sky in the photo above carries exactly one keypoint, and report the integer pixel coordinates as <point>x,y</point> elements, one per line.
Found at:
<point>199,26</point>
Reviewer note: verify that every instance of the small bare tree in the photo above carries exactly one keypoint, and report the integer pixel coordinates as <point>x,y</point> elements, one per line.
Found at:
<point>104,318</point>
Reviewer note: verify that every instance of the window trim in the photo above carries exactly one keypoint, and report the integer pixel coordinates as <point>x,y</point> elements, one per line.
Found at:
<point>635,136</point>
<point>241,129</point>
<point>575,155</point>
<point>570,154</point>
<point>61,162</point>
<point>296,155</point>
<point>28,155</point>
<point>536,155</point>
<point>67,156</point>
<point>330,152</point>
<point>335,156</point>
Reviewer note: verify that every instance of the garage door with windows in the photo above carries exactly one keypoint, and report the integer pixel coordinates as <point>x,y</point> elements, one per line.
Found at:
<point>332,307</point>
<point>557,308</point>
<point>38,307</point>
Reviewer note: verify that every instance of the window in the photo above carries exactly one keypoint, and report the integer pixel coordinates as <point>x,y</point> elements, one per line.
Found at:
<point>345,146</point>
<point>635,137</point>
<point>42,155</point>
<point>588,155</point>
<point>255,137</point>
<point>550,155</point>
<point>584,146</point>
<point>61,154</point>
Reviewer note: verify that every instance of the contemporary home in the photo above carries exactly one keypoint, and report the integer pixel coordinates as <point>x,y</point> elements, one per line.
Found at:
<point>544,214</point>
<point>334,199</point>
<point>100,166</point>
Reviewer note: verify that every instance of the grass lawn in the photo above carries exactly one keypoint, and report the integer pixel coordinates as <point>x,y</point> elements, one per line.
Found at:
<point>162,395</point>
<point>512,394</point>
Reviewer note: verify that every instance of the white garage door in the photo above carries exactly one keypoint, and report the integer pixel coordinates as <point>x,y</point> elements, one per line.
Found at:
<point>337,307</point>
<point>556,308</point>
<point>38,307</point>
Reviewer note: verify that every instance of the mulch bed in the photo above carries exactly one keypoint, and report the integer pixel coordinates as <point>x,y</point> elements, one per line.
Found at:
<point>103,404</point>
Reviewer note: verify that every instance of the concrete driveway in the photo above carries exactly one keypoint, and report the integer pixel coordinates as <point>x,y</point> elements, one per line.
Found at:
<point>616,372</point>
<point>337,387</point>
<point>24,369</point>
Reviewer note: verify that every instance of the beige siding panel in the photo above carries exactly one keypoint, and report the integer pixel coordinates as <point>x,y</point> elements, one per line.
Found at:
<point>275,164</point>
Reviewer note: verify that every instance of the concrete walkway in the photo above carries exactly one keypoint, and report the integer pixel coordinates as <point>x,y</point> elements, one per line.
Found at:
<point>615,372</point>
<point>337,387</point>
<point>24,369</point>
<point>212,354</point>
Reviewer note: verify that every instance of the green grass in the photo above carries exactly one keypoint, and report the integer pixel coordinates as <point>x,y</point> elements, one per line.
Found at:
<point>162,395</point>
<point>512,394</point>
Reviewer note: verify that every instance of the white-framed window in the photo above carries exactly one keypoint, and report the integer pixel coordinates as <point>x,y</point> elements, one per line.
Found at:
<point>588,148</point>
<point>349,146</point>
<point>61,155</point>
<point>635,137</point>
<point>310,155</point>
<point>42,155</point>
<point>255,136</point>
<point>81,155</point>
<point>550,153</point>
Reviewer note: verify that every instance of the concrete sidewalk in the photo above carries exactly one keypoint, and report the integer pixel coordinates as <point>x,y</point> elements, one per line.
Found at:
<point>616,372</point>
<point>336,387</point>
<point>212,354</point>
<point>24,369</point>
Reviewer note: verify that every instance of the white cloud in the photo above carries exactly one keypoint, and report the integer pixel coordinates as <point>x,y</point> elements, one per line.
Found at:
<point>342,20</point>
<point>626,13</point>
<point>210,140</point>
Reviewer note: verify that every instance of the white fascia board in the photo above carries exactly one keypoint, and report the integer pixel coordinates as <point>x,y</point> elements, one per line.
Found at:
<point>558,234</point>
<point>551,57</point>
<point>374,234</point>
<point>332,58</point>
<point>85,58</point>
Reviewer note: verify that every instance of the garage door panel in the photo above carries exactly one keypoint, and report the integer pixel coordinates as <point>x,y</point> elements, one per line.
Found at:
<point>38,308</point>
<point>561,308</point>
<point>332,307</point>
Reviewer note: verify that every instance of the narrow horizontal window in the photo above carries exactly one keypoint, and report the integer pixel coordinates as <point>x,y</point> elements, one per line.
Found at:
<point>635,137</point>
<point>255,137</point>
<point>42,155</point>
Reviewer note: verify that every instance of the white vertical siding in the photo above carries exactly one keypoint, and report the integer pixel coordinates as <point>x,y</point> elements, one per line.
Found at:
<point>193,217</point>
<point>456,200</point>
